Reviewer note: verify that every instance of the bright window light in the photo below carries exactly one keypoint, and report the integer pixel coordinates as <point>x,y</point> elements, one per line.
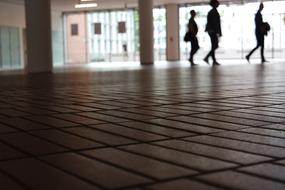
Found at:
<point>86,5</point>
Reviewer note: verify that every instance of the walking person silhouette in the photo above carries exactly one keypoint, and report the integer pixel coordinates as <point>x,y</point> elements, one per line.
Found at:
<point>193,30</point>
<point>213,27</point>
<point>261,30</point>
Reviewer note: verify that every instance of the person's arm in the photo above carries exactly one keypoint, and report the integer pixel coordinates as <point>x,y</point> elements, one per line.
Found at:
<point>209,26</point>
<point>191,28</point>
<point>258,22</point>
<point>219,26</point>
<point>196,29</point>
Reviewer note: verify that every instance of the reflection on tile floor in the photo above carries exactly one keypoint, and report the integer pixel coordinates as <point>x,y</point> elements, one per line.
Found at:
<point>149,128</point>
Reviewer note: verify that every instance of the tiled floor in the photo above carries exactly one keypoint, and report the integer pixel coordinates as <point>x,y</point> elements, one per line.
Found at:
<point>151,128</point>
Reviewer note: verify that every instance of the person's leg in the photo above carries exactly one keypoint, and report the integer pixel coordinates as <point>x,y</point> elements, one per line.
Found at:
<point>262,54</point>
<point>196,44</point>
<point>262,49</point>
<point>194,49</point>
<point>258,40</point>
<point>251,52</point>
<point>215,42</point>
<point>206,59</point>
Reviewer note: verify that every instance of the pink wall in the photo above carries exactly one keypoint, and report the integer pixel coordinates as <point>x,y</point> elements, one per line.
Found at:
<point>77,45</point>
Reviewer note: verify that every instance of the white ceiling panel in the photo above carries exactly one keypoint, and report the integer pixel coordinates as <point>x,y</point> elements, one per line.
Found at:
<point>68,5</point>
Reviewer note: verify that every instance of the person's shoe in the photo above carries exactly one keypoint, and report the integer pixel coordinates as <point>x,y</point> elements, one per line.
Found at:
<point>216,63</point>
<point>264,61</point>
<point>192,63</point>
<point>247,58</point>
<point>206,60</point>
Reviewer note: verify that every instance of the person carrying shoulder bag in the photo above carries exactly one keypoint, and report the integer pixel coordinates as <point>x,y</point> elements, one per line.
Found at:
<point>191,36</point>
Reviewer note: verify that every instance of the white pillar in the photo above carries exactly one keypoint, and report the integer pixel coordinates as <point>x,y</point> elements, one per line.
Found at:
<point>38,24</point>
<point>146,31</point>
<point>172,32</point>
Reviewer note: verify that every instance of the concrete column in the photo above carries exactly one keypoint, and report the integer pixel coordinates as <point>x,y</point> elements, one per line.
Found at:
<point>146,32</point>
<point>172,32</point>
<point>38,24</point>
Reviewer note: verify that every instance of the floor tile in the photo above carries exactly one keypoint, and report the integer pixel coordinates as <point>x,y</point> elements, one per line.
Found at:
<point>52,121</point>
<point>240,121</point>
<point>10,112</point>
<point>24,124</point>
<point>97,172</point>
<point>184,126</point>
<point>78,119</point>
<point>267,132</point>
<point>126,115</point>
<point>7,152</point>
<point>67,140</point>
<point>253,138</point>
<point>100,136</point>
<point>214,152</point>
<point>102,117</point>
<point>8,184</point>
<point>209,123</point>
<point>38,175</point>
<point>30,144</point>
<point>166,126</point>
<point>182,184</point>
<point>158,129</point>
<point>186,159</point>
<point>240,145</point>
<point>267,170</point>
<point>253,116</point>
<point>137,163</point>
<point>236,180</point>
<point>6,129</point>
<point>128,132</point>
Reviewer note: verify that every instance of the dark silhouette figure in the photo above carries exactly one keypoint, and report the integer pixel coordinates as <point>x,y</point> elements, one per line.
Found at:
<point>213,27</point>
<point>261,30</point>
<point>193,30</point>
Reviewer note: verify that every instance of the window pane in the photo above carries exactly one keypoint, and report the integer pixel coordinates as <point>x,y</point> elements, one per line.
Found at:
<point>74,29</point>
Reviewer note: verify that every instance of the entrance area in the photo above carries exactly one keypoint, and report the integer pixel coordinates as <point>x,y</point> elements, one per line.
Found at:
<point>110,36</point>
<point>238,30</point>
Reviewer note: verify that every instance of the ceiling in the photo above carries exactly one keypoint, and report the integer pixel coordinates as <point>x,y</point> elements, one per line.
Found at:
<point>68,5</point>
<point>112,4</point>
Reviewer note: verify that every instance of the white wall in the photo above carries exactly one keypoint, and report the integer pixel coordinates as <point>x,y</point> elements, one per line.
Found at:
<point>57,38</point>
<point>12,15</point>
<point>56,19</point>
